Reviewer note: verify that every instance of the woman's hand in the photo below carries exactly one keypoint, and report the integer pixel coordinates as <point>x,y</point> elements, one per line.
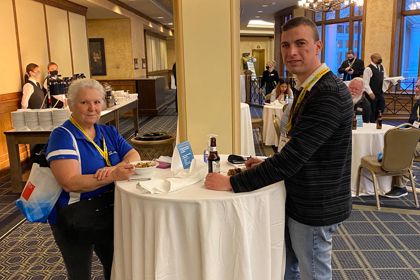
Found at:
<point>104,172</point>
<point>252,162</point>
<point>218,182</point>
<point>122,172</point>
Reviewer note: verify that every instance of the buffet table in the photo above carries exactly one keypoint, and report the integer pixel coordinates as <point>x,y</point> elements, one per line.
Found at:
<point>368,140</point>
<point>195,233</point>
<point>14,138</point>
<point>269,132</point>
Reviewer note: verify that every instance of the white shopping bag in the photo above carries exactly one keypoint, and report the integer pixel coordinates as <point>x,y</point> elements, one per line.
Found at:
<point>40,194</point>
<point>41,191</point>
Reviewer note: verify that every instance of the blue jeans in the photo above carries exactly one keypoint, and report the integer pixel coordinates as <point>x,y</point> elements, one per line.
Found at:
<point>308,251</point>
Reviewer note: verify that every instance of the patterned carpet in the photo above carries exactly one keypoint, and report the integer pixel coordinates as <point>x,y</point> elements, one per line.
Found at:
<point>369,245</point>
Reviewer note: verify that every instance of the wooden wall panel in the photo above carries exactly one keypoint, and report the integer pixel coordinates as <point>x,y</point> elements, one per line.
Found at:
<point>10,80</point>
<point>9,102</point>
<point>58,39</point>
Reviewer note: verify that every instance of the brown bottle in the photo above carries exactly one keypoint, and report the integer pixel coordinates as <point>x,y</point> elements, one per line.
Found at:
<point>213,159</point>
<point>379,121</point>
<point>354,122</point>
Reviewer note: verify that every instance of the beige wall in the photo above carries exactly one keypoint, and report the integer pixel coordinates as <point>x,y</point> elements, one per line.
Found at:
<point>10,74</point>
<point>264,43</point>
<point>379,15</point>
<point>42,35</point>
<point>118,46</point>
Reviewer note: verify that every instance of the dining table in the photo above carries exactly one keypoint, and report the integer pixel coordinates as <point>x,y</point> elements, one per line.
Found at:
<point>368,140</point>
<point>196,233</point>
<point>247,134</point>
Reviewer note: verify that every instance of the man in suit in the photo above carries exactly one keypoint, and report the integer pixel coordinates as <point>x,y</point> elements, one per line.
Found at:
<point>360,103</point>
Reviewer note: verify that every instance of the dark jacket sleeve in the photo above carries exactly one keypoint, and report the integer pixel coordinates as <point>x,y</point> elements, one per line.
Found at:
<point>342,67</point>
<point>276,76</point>
<point>366,110</point>
<point>264,79</point>
<point>358,67</point>
<point>413,115</point>
<point>322,116</point>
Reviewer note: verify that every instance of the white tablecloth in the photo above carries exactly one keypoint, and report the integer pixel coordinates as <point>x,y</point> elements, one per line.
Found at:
<point>269,132</point>
<point>197,233</point>
<point>242,88</point>
<point>247,136</point>
<point>368,140</point>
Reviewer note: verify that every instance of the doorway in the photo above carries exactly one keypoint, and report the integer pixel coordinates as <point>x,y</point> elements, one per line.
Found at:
<point>259,55</point>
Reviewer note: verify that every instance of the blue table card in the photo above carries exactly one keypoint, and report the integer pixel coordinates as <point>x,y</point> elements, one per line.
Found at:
<point>359,119</point>
<point>185,153</point>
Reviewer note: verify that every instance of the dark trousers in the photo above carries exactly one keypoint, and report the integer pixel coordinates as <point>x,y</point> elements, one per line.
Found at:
<point>77,253</point>
<point>377,105</point>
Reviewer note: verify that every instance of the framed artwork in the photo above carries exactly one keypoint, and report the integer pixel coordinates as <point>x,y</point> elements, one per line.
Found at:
<point>97,57</point>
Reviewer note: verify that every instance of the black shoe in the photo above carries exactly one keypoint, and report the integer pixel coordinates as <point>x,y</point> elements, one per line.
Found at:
<point>396,192</point>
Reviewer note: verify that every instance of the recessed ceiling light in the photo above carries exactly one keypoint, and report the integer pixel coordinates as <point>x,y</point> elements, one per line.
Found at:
<point>260,12</point>
<point>265,6</point>
<point>170,23</point>
<point>159,17</point>
<point>258,23</point>
<point>257,16</point>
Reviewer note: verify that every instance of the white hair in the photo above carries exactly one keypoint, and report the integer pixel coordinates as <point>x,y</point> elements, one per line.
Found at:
<point>78,85</point>
<point>359,79</point>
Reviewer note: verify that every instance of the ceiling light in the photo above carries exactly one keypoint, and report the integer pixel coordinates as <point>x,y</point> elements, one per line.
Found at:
<point>260,12</point>
<point>327,5</point>
<point>257,16</point>
<point>265,6</point>
<point>258,23</point>
<point>170,23</point>
<point>159,17</point>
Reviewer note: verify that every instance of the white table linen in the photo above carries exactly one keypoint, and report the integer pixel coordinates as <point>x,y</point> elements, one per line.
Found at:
<point>196,233</point>
<point>269,132</point>
<point>368,140</point>
<point>247,136</point>
<point>242,88</point>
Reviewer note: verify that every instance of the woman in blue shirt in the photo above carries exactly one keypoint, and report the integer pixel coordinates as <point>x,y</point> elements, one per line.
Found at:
<point>82,220</point>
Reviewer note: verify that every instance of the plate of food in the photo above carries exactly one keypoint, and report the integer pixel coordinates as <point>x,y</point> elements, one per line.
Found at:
<point>144,167</point>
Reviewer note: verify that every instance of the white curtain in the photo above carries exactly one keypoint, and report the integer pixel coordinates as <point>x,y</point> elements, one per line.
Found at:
<point>156,53</point>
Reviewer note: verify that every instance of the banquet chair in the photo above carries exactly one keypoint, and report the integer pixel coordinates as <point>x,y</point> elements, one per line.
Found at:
<point>257,123</point>
<point>399,146</point>
<point>284,107</point>
<point>276,122</point>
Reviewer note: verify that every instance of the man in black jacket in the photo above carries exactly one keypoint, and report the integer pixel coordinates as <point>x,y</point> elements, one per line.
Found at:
<point>352,67</point>
<point>360,103</point>
<point>315,164</point>
<point>373,76</point>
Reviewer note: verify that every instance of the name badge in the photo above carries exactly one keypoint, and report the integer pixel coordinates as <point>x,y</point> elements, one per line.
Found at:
<point>416,124</point>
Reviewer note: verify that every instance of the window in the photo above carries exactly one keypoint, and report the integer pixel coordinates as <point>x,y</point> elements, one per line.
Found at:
<point>410,45</point>
<point>340,31</point>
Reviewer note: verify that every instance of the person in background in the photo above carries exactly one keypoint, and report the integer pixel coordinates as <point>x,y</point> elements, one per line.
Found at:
<point>269,79</point>
<point>315,163</point>
<point>82,219</point>
<point>281,91</point>
<point>373,76</point>
<point>33,95</point>
<point>360,102</point>
<point>352,67</point>
<point>52,69</point>
<point>399,183</point>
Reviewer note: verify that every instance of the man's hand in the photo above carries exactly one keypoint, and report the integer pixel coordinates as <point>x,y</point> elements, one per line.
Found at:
<point>347,69</point>
<point>218,182</point>
<point>351,71</point>
<point>371,96</point>
<point>252,162</point>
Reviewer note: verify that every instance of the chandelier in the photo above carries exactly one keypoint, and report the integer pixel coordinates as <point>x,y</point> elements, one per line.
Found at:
<point>327,5</point>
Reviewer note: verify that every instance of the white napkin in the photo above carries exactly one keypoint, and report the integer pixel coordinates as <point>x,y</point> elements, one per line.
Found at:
<point>182,179</point>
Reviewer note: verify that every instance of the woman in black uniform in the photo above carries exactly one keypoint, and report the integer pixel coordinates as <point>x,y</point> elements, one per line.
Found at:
<point>33,95</point>
<point>269,79</point>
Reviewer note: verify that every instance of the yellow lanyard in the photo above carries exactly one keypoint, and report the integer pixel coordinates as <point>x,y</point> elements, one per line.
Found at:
<point>104,152</point>
<point>298,104</point>
<point>418,116</point>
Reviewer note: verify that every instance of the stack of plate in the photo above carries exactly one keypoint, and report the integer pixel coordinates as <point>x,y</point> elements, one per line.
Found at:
<point>45,119</point>
<point>18,120</point>
<point>31,119</point>
<point>59,116</point>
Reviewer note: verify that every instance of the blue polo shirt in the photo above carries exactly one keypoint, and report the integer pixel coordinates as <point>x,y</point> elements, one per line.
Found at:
<point>60,146</point>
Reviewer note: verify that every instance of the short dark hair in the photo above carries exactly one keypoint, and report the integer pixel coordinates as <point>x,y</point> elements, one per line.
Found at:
<point>51,64</point>
<point>350,52</point>
<point>298,21</point>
